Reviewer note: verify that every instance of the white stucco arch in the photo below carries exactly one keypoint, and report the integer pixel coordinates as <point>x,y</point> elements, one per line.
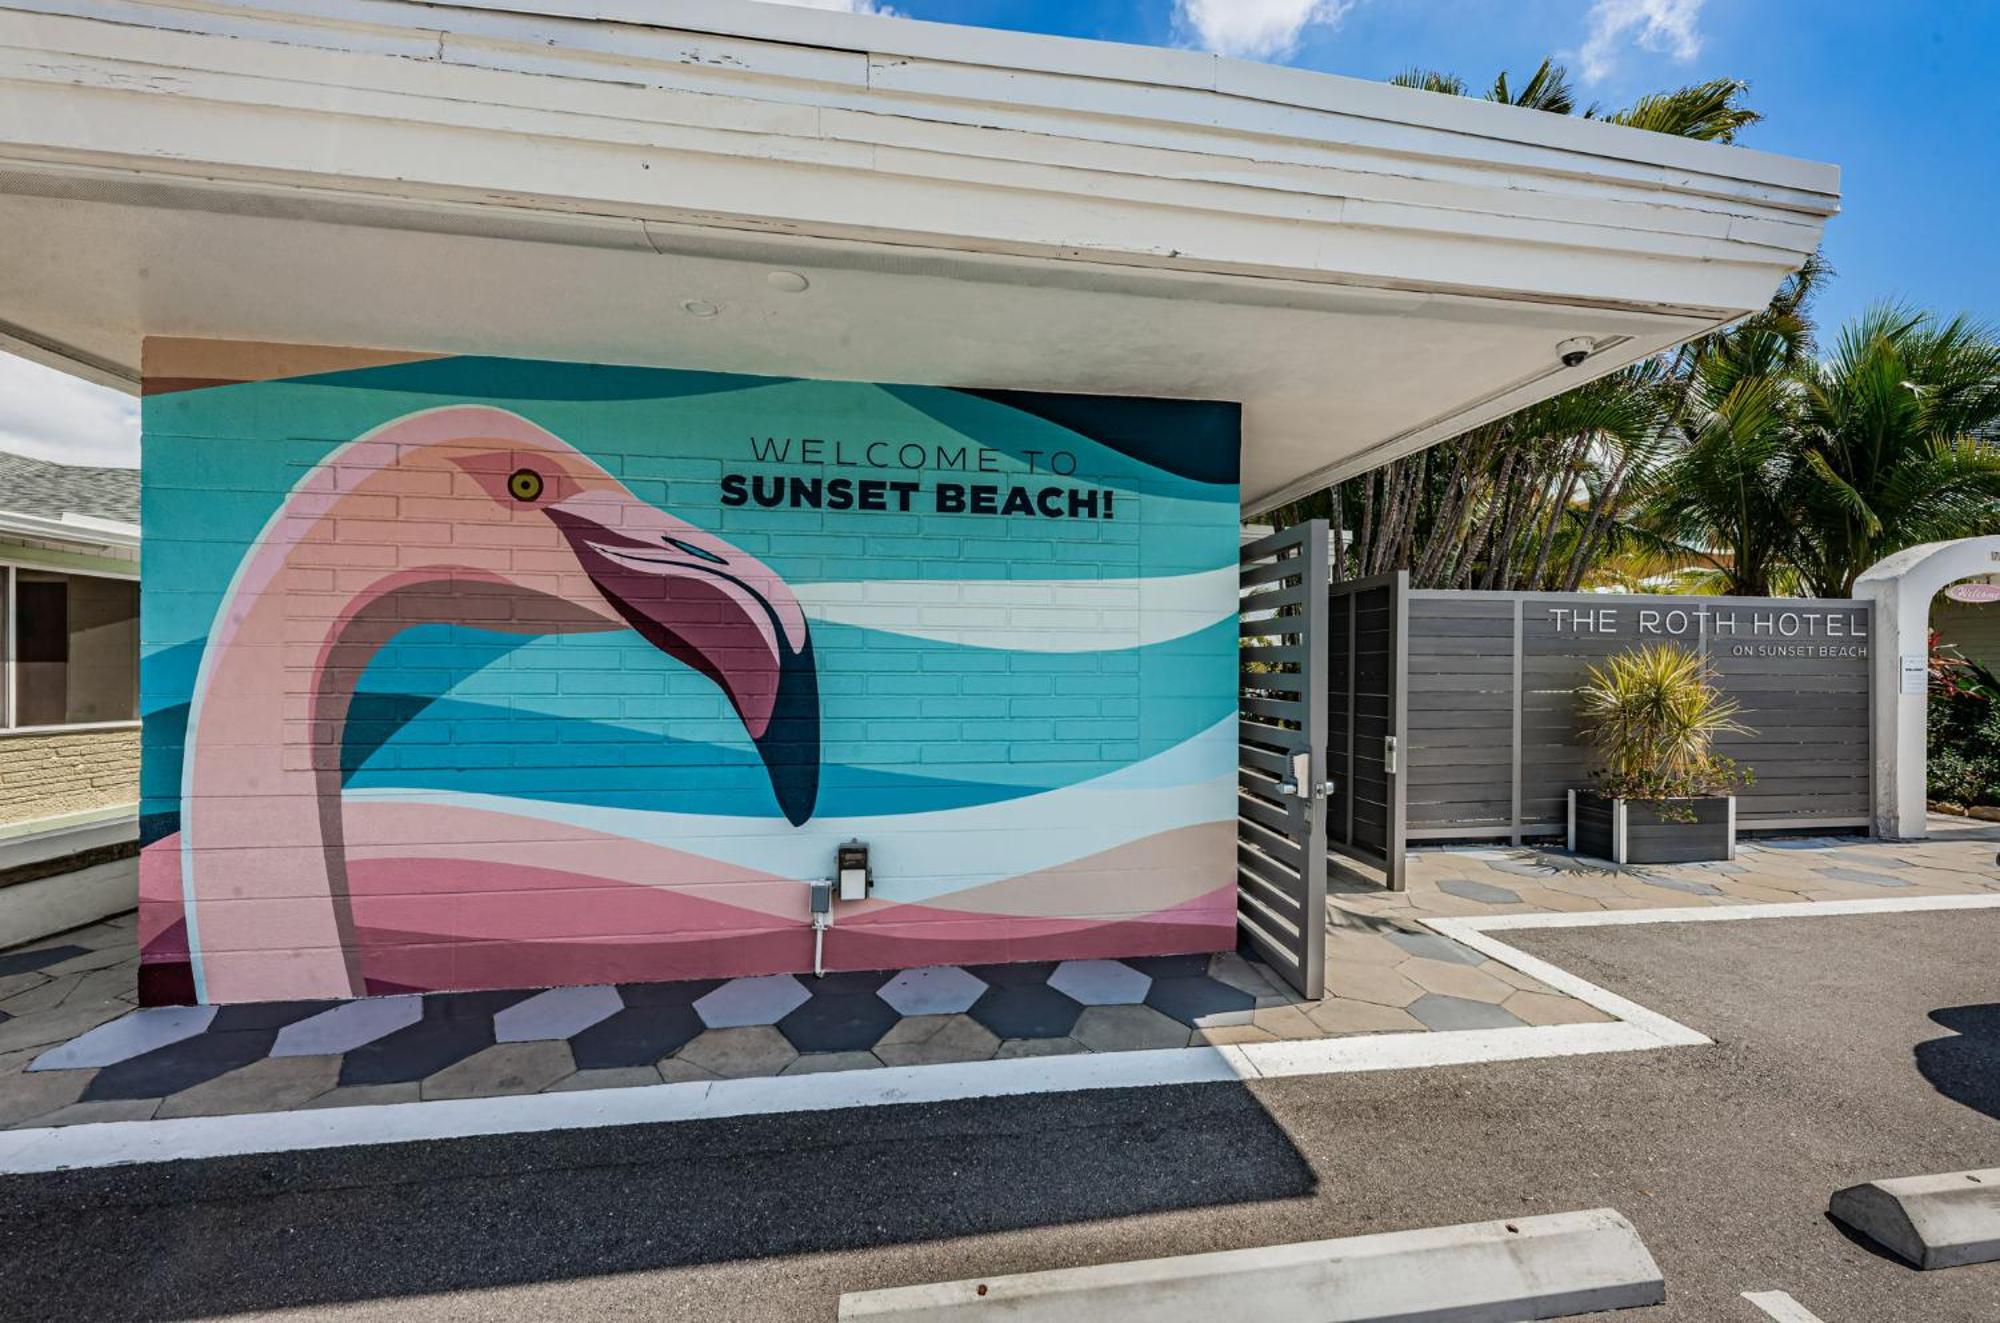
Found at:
<point>1902,586</point>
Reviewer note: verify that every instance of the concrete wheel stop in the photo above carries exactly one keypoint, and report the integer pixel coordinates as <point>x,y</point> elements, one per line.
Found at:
<point>1547,1267</point>
<point>1930,1221</point>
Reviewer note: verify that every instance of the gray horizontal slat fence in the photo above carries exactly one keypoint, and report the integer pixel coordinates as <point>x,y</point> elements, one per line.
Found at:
<point>1494,743</point>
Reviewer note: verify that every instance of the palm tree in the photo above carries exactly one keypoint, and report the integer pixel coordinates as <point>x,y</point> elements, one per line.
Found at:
<point>1899,441</point>
<point>1732,495</point>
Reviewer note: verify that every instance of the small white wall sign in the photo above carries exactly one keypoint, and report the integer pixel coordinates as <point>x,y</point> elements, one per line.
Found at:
<point>1916,673</point>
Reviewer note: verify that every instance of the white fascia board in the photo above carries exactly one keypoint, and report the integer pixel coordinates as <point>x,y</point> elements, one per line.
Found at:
<point>84,531</point>
<point>925,138</point>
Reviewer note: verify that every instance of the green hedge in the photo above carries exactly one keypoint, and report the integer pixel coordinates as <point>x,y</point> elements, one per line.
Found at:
<point>1965,750</point>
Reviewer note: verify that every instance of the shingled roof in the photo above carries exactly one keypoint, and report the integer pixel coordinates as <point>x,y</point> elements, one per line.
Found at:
<point>38,487</point>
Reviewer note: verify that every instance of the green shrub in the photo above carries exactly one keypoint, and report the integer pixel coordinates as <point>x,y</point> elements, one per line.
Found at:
<point>1653,715</point>
<point>1965,749</point>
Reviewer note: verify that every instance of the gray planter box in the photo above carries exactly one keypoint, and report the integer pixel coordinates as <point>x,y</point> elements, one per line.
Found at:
<point>1631,831</point>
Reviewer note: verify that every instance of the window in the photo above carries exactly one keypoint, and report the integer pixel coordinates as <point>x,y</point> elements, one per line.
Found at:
<point>72,649</point>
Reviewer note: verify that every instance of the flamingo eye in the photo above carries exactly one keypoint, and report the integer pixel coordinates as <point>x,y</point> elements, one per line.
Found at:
<point>524,485</point>
<point>697,552</point>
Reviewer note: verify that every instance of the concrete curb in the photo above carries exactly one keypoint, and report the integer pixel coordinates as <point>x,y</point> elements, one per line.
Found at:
<point>1931,1221</point>
<point>1544,1267</point>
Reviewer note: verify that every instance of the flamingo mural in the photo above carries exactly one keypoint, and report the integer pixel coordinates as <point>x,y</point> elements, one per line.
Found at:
<point>480,700</point>
<point>470,515</point>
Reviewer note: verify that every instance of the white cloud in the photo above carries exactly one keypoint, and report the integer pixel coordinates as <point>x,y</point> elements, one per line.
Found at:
<point>46,414</point>
<point>1664,26</point>
<point>844,6</point>
<point>1255,29</point>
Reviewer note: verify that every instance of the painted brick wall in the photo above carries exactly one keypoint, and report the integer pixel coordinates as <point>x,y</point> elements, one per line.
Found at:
<point>42,776</point>
<point>1974,628</point>
<point>514,674</point>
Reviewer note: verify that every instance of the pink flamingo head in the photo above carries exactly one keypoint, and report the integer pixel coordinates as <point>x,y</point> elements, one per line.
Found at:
<point>519,492</point>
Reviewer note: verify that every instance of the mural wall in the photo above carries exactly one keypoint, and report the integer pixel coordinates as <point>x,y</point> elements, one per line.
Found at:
<point>479,673</point>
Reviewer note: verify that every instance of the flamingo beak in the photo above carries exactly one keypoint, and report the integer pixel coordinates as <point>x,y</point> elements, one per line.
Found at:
<point>719,610</point>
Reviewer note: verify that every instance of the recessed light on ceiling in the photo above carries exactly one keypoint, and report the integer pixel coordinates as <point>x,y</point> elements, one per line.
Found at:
<point>788,282</point>
<point>699,308</point>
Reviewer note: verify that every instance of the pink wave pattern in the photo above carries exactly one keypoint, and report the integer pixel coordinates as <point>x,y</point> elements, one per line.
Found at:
<point>460,899</point>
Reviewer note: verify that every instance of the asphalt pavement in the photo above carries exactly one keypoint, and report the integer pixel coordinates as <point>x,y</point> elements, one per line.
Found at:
<point>1846,1048</point>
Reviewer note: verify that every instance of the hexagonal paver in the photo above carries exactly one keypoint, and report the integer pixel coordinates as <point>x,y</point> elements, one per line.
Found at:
<point>508,1068</point>
<point>1864,876</point>
<point>1015,975</point>
<point>1441,1012</point>
<point>658,1020</point>
<point>127,1037</point>
<point>1016,1049</point>
<point>827,1063</point>
<point>348,1026</point>
<point>741,1052</point>
<point>1456,981</point>
<point>556,1014</point>
<point>1128,1029</point>
<point>454,1026</point>
<point>1032,1010</point>
<point>743,1002</point>
<point>946,990</point>
<point>1360,1017</point>
<point>1432,947</point>
<point>927,1040</point>
<point>1549,1008</point>
<point>838,1022</point>
<point>1379,984</point>
<point>1100,982</point>
<point>1200,1001</point>
<point>1483,892</point>
<point>1173,966</point>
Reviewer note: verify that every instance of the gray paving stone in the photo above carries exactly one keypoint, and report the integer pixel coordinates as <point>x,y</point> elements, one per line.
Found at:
<point>502,1070</point>
<point>740,1052</point>
<point>947,990</point>
<point>675,1071</point>
<point>45,995</point>
<point>556,1014</point>
<point>366,1095</point>
<point>51,1027</point>
<point>1438,1011</point>
<point>348,1026</point>
<point>24,1096</point>
<point>102,958</point>
<point>827,1063</point>
<point>1016,1049</point>
<point>611,1077</point>
<point>1864,877</point>
<point>1128,1029</point>
<point>930,1040</point>
<point>1679,884</point>
<point>1483,892</point>
<point>274,1084</point>
<point>1100,982</point>
<point>94,1113</point>
<point>743,1002</point>
<point>1432,947</point>
<point>1233,971</point>
<point>126,1037</point>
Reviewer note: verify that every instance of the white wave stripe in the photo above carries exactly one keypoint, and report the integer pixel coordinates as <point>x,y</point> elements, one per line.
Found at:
<point>920,856</point>
<point>1031,615</point>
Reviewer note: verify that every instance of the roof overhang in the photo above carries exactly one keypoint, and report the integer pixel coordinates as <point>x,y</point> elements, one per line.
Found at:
<point>1368,269</point>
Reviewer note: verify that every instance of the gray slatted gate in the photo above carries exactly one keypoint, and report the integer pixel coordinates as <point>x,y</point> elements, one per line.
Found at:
<point>1281,763</point>
<point>1368,701</point>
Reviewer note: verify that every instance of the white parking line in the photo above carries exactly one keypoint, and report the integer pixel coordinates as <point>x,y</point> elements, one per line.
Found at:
<point>1634,1029</point>
<point>1781,1307</point>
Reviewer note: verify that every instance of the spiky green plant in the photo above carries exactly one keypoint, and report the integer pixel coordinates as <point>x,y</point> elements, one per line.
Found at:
<point>1653,715</point>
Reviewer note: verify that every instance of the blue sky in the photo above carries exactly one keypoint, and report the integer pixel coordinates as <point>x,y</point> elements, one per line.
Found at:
<point>1898,95</point>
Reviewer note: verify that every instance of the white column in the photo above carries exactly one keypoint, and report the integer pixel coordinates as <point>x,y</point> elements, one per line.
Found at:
<point>1901,587</point>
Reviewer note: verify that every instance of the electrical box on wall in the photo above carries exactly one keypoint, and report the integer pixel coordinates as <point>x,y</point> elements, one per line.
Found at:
<point>851,871</point>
